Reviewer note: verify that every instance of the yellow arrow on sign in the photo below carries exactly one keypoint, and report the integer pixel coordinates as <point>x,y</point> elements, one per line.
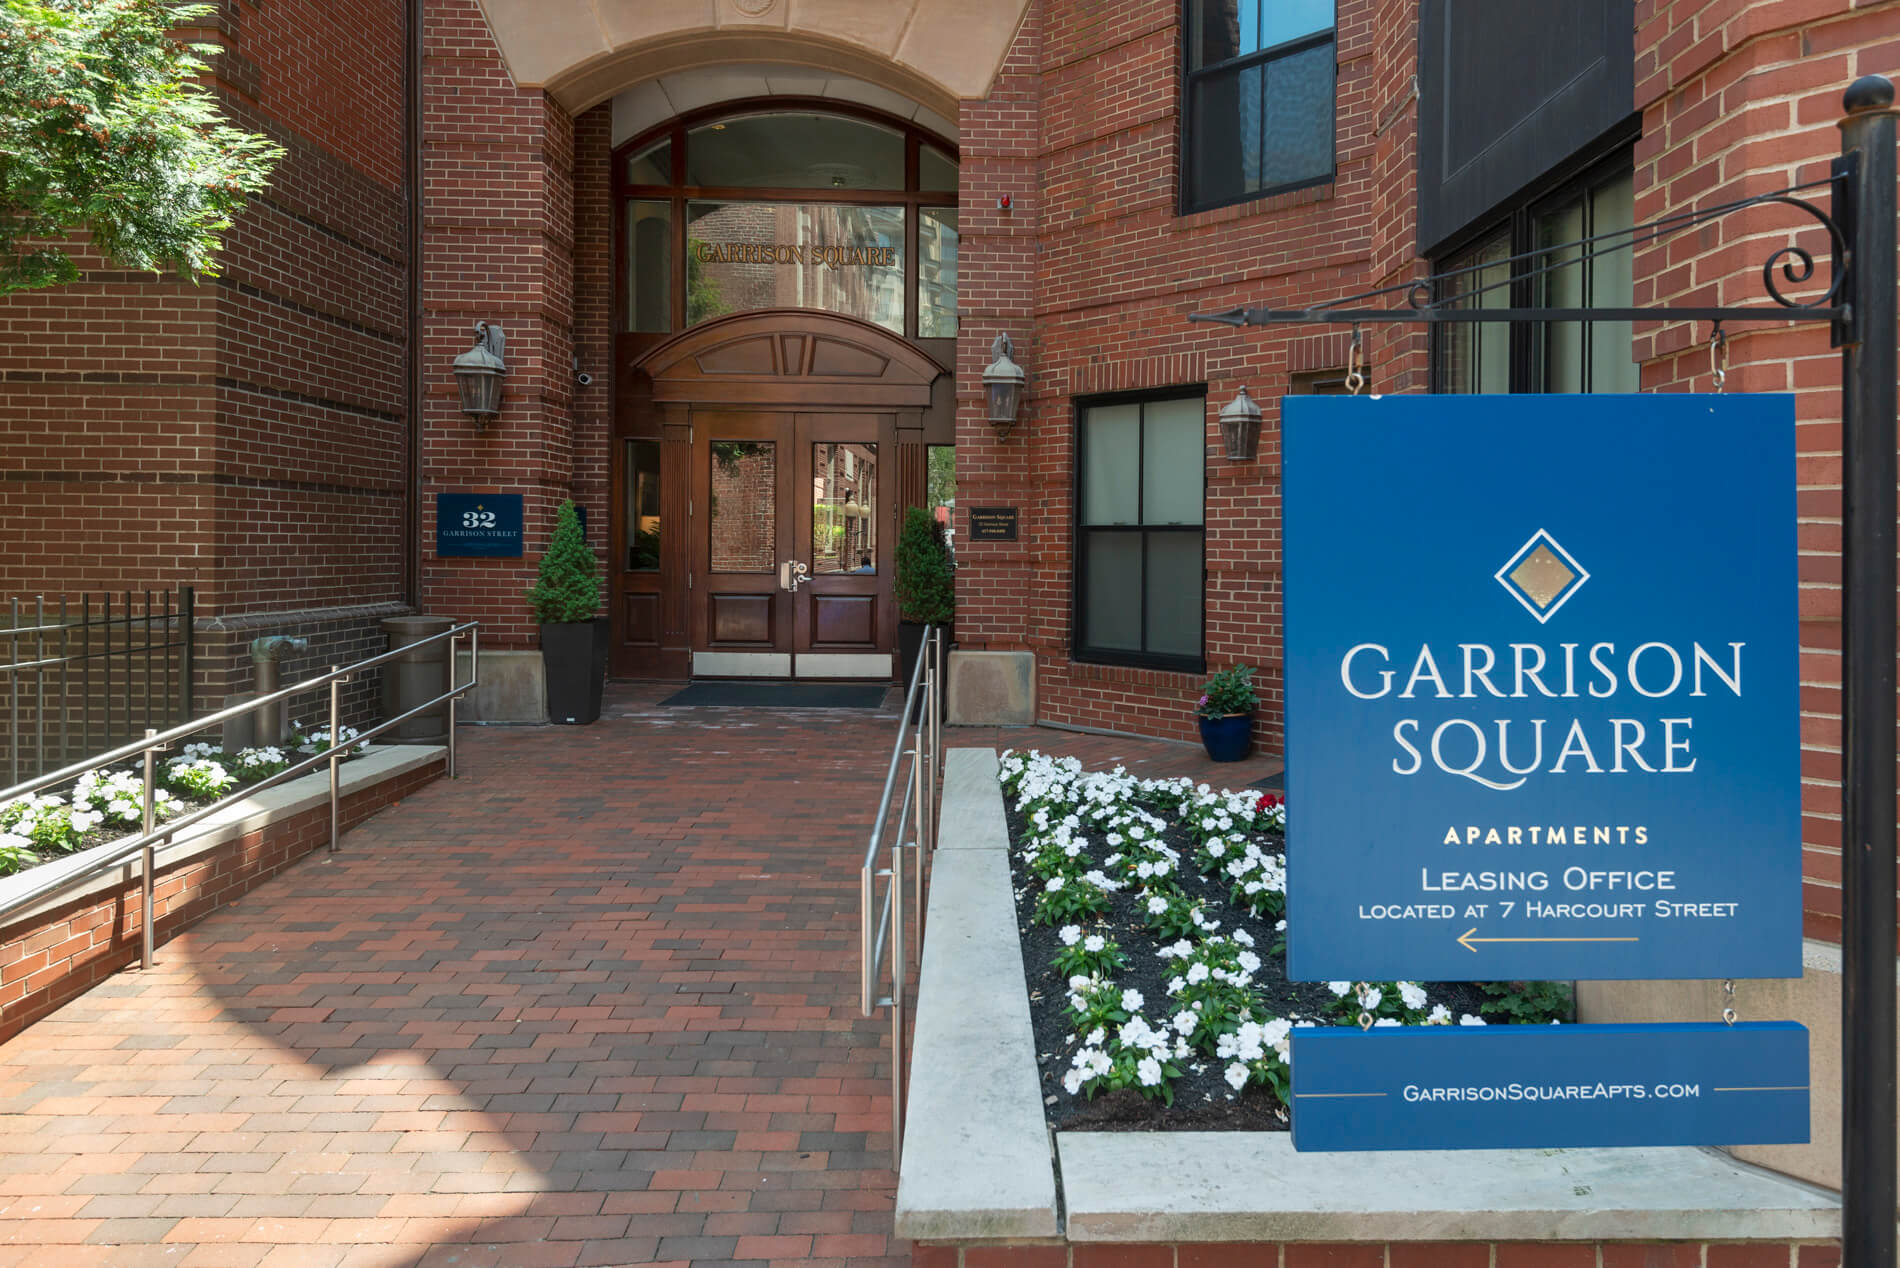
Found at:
<point>1465,939</point>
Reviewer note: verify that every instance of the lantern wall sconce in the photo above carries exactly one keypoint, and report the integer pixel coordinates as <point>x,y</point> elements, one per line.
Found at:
<point>479,372</point>
<point>1003,384</point>
<point>1240,427</point>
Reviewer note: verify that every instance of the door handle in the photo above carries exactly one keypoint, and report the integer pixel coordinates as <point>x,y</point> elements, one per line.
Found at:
<point>793,574</point>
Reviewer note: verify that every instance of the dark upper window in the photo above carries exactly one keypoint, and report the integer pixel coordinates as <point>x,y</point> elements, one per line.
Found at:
<point>1567,356</point>
<point>1140,572</point>
<point>1259,111</point>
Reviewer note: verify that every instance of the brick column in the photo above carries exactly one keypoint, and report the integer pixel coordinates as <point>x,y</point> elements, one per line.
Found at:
<point>498,246</point>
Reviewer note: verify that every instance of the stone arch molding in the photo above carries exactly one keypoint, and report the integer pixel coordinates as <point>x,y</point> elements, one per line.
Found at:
<point>934,52</point>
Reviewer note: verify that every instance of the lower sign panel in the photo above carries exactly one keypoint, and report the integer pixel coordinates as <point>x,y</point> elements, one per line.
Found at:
<point>1517,1087</point>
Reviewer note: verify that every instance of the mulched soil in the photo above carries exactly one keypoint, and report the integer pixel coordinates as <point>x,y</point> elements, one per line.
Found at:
<point>1202,1099</point>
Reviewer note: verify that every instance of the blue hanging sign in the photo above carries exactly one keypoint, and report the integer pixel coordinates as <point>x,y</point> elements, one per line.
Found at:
<point>481,524</point>
<point>1541,687</point>
<point>1515,1087</point>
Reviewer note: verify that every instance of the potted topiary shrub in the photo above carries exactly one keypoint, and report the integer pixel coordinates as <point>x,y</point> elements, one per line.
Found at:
<point>926,586</point>
<point>1226,714</point>
<point>566,601</point>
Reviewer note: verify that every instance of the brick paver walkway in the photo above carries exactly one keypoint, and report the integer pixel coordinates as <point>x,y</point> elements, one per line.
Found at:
<point>594,1003</point>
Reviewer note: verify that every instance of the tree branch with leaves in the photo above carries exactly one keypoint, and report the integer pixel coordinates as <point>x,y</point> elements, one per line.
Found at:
<point>106,127</point>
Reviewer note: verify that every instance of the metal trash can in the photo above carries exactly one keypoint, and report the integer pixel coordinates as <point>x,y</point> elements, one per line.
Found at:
<point>417,678</point>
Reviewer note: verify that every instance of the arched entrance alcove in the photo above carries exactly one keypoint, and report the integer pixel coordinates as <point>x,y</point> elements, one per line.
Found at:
<point>584,51</point>
<point>785,303</point>
<point>768,443</point>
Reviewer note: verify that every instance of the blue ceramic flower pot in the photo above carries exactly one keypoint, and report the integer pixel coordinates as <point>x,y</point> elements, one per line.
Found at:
<point>1227,739</point>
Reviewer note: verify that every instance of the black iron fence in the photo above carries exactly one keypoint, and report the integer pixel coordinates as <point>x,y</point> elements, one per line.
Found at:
<point>88,673</point>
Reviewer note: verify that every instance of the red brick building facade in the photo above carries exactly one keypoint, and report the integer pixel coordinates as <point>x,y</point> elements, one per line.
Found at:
<point>276,438</point>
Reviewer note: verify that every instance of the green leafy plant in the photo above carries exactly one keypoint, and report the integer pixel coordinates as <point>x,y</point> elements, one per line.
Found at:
<point>568,588</point>
<point>108,126</point>
<point>1228,692</point>
<point>926,579</point>
<point>1534,1003</point>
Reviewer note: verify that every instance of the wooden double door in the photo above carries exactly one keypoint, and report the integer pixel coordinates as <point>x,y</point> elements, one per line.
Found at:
<point>792,536</point>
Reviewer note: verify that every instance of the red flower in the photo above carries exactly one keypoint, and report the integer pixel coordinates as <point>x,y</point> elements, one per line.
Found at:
<point>1268,800</point>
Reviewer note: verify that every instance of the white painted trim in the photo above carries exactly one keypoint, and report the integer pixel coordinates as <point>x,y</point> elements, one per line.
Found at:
<point>742,664</point>
<point>843,665</point>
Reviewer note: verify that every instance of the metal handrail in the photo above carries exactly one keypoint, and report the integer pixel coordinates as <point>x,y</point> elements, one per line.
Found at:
<point>922,726</point>
<point>106,858</point>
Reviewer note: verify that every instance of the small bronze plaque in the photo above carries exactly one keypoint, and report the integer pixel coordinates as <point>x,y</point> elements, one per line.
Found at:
<point>992,523</point>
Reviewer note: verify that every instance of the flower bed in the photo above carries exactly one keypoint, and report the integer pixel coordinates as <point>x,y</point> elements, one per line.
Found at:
<point>1152,916</point>
<point>109,804</point>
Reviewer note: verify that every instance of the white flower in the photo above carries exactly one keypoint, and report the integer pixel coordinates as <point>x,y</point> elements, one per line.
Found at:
<point>1385,1021</point>
<point>1149,1072</point>
<point>1439,1016</point>
<point>1469,1020</point>
<point>1244,938</point>
<point>1094,943</point>
<point>1237,1076</point>
<point>1054,885</point>
<point>1370,997</point>
<point>1412,994</point>
<point>1185,1023</point>
<point>1072,1082</point>
<point>1131,1000</point>
<point>1249,961</point>
<point>1070,935</point>
<point>1096,1037</point>
<point>1157,905</point>
<point>1196,974</point>
<point>1339,988</point>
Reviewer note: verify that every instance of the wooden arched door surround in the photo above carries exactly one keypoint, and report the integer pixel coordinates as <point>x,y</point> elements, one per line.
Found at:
<point>744,447</point>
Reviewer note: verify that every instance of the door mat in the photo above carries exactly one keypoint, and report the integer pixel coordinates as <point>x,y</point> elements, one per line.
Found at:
<point>780,695</point>
<point>1272,783</point>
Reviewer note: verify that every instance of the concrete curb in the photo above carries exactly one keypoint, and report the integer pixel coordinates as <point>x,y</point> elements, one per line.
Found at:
<point>977,1162</point>
<point>1251,1186</point>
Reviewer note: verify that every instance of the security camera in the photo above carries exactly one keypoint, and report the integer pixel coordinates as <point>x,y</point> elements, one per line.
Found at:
<point>584,379</point>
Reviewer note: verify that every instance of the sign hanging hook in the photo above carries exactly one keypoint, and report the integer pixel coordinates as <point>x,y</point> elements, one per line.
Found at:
<point>1728,1001</point>
<point>1355,362</point>
<point>1718,357</point>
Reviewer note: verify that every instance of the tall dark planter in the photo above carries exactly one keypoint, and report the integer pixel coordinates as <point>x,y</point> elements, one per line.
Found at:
<point>1227,739</point>
<point>574,657</point>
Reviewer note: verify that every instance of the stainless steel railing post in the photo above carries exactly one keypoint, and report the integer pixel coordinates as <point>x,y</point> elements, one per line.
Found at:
<point>453,700</point>
<point>147,857</point>
<point>899,962</point>
<point>336,715</point>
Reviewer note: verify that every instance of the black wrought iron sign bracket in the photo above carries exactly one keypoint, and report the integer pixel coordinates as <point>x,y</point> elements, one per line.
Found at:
<point>1438,299</point>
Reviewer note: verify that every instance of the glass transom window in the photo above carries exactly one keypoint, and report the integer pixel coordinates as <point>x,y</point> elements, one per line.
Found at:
<point>796,208</point>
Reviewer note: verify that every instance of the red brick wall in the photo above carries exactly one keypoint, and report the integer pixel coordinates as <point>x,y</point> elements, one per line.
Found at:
<point>1393,1255</point>
<point>244,436</point>
<point>1094,274</point>
<point>1739,98</point>
<point>499,245</point>
<point>48,959</point>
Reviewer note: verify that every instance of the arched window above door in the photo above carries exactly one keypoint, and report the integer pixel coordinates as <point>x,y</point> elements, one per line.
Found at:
<point>801,205</point>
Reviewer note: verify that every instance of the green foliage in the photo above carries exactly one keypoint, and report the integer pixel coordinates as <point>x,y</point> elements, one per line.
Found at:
<point>703,298</point>
<point>1228,692</point>
<point>568,589</point>
<point>106,127</point>
<point>926,579</point>
<point>1534,1003</point>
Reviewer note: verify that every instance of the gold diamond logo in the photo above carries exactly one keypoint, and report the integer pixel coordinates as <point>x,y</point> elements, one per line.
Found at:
<point>1542,575</point>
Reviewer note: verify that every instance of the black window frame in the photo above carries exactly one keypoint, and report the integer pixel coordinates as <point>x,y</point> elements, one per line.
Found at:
<point>1529,348</point>
<point>1079,649</point>
<point>1192,77</point>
